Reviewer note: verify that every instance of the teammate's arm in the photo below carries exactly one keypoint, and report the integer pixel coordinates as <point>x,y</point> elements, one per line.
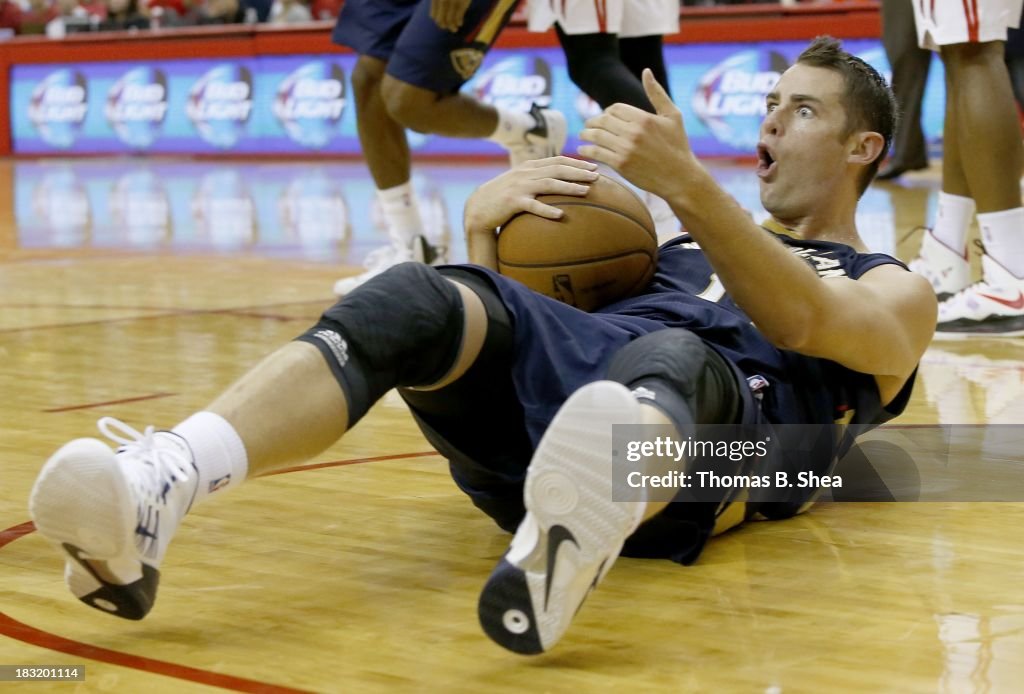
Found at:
<point>516,191</point>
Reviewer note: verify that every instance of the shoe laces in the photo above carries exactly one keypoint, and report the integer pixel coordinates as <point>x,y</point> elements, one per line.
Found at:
<point>916,230</point>
<point>160,462</point>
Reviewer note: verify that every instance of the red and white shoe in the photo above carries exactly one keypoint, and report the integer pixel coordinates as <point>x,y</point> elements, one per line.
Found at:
<point>993,307</point>
<point>948,271</point>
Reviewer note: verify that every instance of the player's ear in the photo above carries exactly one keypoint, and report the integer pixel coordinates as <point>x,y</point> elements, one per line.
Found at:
<point>865,147</point>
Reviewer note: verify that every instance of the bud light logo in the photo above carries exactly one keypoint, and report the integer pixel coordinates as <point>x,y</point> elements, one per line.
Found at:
<point>220,104</point>
<point>313,211</point>
<point>58,107</point>
<point>309,103</point>
<point>224,210</point>
<point>137,105</point>
<point>729,98</point>
<point>60,203</point>
<point>140,208</point>
<point>515,83</point>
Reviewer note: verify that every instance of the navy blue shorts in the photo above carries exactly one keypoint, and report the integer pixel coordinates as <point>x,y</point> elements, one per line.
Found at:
<point>557,349</point>
<point>417,51</point>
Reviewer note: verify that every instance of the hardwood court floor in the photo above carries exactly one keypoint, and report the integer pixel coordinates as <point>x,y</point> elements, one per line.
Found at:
<point>360,572</point>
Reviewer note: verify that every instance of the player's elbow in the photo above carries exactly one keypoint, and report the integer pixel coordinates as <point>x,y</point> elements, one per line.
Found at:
<point>792,336</point>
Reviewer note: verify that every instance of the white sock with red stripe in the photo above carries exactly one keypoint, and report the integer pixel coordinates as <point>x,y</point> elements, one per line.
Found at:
<point>512,127</point>
<point>952,220</point>
<point>1003,236</point>
<point>401,212</point>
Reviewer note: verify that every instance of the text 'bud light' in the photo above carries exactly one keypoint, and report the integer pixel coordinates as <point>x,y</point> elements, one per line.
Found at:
<point>730,97</point>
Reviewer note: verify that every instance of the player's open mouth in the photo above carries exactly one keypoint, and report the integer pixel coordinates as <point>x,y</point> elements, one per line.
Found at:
<point>766,163</point>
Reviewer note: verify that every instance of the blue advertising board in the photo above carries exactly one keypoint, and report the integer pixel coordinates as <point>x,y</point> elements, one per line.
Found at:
<point>303,104</point>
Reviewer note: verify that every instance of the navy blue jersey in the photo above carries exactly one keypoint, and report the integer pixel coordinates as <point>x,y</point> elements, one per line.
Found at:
<point>559,348</point>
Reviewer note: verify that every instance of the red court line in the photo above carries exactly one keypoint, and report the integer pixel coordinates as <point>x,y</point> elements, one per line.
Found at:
<point>122,401</point>
<point>169,313</point>
<point>37,637</point>
<point>23,632</point>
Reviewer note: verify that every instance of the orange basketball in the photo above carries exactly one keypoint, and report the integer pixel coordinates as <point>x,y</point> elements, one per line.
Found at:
<point>604,248</point>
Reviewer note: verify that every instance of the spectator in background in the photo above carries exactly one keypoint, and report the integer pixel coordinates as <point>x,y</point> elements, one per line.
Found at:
<point>124,14</point>
<point>10,16</point>
<point>71,17</point>
<point>218,12</point>
<point>289,12</point>
<point>325,9</point>
<point>910,65</point>
<point>37,16</point>
<point>256,11</point>
<point>167,12</point>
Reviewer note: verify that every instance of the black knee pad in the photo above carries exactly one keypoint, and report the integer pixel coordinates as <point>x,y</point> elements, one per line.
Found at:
<point>686,379</point>
<point>479,414</point>
<point>401,328</point>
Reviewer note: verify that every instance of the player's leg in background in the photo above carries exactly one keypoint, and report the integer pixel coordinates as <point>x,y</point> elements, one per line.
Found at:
<point>430,65</point>
<point>114,513</point>
<point>606,64</point>
<point>386,149</point>
<point>596,67</point>
<point>640,52</point>
<point>910,65</point>
<point>984,161</point>
<point>943,259</point>
<point>372,29</point>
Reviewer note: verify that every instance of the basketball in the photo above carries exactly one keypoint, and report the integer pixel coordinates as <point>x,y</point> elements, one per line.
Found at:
<point>604,248</point>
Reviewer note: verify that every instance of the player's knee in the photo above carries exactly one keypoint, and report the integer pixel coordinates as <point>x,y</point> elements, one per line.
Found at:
<point>410,106</point>
<point>366,77</point>
<point>685,365</point>
<point>401,328</point>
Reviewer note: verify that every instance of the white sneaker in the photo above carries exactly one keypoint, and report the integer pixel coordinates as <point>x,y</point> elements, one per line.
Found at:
<point>573,530</point>
<point>546,139</point>
<point>993,307</point>
<point>380,259</point>
<point>114,514</point>
<point>947,270</point>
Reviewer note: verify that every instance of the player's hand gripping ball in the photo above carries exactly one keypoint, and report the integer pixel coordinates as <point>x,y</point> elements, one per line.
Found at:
<point>603,249</point>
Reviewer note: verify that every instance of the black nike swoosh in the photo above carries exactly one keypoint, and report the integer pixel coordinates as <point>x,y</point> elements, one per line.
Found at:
<point>556,536</point>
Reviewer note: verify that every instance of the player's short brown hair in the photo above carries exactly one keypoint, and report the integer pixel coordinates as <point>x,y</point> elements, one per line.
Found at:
<point>869,102</point>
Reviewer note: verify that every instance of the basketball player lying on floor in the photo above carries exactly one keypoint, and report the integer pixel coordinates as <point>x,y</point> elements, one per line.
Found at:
<point>520,392</point>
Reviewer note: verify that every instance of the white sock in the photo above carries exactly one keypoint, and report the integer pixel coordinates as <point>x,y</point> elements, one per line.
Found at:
<point>512,127</point>
<point>952,221</point>
<point>1003,236</point>
<point>401,212</point>
<point>218,452</point>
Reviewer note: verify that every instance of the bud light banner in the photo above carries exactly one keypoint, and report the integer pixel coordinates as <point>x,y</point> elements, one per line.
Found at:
<point>304,104</point>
